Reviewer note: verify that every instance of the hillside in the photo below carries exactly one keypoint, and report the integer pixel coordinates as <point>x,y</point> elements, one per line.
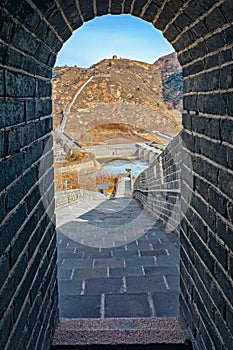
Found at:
<point>172,81</point>
<point>118,91</point>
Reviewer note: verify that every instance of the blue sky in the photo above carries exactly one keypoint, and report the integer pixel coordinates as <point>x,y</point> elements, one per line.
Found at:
<point>125,36</point>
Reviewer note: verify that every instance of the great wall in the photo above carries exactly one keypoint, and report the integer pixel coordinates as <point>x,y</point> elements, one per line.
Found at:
<point>32,32</point>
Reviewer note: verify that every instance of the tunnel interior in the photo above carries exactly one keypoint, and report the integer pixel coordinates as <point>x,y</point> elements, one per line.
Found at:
<point>31,34</point>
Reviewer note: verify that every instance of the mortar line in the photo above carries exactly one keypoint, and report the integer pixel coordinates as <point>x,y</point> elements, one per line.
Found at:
<point>79,10</point>
<point>93,263</point>
<point>94,8</point>
<point>37,10</point>
<point>200,18</point>
<point>83,287</point>
<point>124,286</point>
<point>151,304</point>
<point>203,39</point>
<point>166,282</point>
<point>159,12</point>
<point>167,252</point>
<point>72,274</point>
<point>145,7</point>
<point>102,307</point>
<point>63,15</point>
<point>132,6</point>
<point>109,6</point>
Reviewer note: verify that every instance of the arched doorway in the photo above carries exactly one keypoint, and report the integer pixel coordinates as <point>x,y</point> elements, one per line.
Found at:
<point>31,34</point>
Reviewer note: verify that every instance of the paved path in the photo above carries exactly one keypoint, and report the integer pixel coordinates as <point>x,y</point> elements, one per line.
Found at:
<point>115,261</point>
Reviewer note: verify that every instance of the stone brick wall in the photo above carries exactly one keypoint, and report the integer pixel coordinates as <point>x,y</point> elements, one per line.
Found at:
<point>158,187</point>
<point>28,281</point>
<point>205,50</point>
<point>31,34</point>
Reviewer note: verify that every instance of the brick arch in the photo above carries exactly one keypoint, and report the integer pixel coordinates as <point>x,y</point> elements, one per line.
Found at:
<point>31,34</point>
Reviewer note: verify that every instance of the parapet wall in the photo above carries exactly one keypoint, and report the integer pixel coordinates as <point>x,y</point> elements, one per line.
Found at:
<point>158,187</point>
<point>65,198</point>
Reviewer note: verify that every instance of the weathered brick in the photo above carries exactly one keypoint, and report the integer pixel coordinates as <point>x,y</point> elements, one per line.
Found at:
<point>10,169</point>
<point>215,41</point>
<point>207,321</point>
<point>151,12</point>
<point>206,126</point>
<point>228,36</point>
<point>71,12</point>
<point>226,8</point>
<point>166,15</point>
<point>18,330</point>
<point>223,330</point>
<point>24,41</point>
<point>12,283</point>
<point>86,9</point>
<point>126,7</point>
<point>224,232</point>
<point>218,250</point>
<point>2,83</point>
<point>229,317</point>
<point>59,24</point>
<point>51,39</point>
<point>203,251</point>
<point>6,26</point>
<point>224,56</point>
<point>19,189</point>
<point>9,229</point>
<point>208,149</point>
<point>28,16</point>
<point>116,7</point>
<point>215,20</point>
<point>6,328</point>
<point>224,281</point>
<point>225,183</point>
<point>18,85</point>
<point>226,77</point>
<point>43,88</point>
<point>211,61</point>
<point>205,169</point>
<point>171,33</point>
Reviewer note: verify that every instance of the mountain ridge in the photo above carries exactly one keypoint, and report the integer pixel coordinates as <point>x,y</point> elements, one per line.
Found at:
<point>119,90</point>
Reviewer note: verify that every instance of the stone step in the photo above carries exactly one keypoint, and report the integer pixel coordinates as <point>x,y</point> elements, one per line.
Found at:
<point>120,333</point>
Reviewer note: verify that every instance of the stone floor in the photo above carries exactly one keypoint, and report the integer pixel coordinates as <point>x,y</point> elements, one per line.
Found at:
<point>115,261</point>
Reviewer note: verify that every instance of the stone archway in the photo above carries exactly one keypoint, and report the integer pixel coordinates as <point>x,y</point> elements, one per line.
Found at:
<point>31,33</point>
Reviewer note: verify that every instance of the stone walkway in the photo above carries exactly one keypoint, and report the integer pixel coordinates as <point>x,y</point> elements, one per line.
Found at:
<point>115,261</point>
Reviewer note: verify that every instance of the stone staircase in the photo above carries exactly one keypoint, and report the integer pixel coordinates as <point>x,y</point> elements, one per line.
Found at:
<point>120,333</point>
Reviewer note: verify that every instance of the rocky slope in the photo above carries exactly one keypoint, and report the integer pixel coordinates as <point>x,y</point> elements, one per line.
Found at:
<point>136,94</point>
<point>172,81</point>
